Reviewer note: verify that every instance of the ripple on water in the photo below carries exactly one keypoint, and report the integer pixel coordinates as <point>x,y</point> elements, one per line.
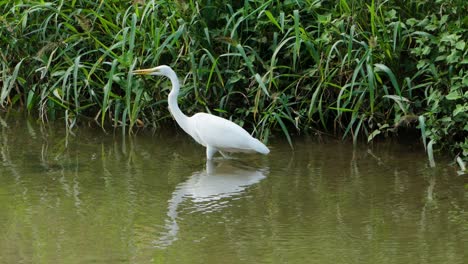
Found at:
<point>152,199</point>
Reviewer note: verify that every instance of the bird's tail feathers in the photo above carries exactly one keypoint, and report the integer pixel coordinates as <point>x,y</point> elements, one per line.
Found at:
<point>260,147</point>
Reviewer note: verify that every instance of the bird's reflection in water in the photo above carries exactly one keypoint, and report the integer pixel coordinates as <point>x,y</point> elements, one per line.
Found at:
<point>207,190</point>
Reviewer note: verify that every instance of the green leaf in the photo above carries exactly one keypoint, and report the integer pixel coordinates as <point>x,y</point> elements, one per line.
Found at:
<point>460,45</point>
<point>324,19</point>
<point>373,134</point>
<point>29,101</point>
<point>460,109</point>
<point>453,57</point>
<point>58,93</point>
<point>9,82</point>
<point>341,109</point>
<point>389,72</point>
<point>284,128</point>
<point>402,102</point>
<point>259,80</point>
<point>450,38</point>
<point>454,95</point>
<point>273,20</point>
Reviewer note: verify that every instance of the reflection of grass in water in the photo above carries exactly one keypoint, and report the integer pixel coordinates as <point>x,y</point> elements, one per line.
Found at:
<point>320,200</point>
<point>65,198</point>
<point>458,216</point>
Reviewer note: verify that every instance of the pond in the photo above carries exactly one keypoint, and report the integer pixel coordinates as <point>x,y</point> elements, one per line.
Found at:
<point>96,197</point>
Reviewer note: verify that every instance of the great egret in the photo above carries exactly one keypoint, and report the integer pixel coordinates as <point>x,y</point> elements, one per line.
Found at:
<point>213,132</point>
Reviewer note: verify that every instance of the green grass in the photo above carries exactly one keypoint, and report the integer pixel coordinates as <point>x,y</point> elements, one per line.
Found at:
<point>279,68</point>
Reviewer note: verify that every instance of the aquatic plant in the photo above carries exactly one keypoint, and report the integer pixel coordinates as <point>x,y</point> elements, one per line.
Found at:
<point>351,68</point>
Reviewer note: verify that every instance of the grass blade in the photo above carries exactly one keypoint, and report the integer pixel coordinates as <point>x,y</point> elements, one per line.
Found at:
<point>284,128</point>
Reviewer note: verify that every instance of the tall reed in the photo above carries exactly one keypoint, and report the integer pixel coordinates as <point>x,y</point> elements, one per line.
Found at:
<point>352,68</point>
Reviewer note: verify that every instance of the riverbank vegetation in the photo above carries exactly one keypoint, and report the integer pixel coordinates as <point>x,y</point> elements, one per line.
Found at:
<point>356,69</point>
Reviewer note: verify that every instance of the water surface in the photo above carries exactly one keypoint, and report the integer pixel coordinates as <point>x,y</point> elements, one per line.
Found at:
<point>94,197</point>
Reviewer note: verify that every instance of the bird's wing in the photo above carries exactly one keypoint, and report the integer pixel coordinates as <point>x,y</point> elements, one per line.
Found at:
<point>221,133</point>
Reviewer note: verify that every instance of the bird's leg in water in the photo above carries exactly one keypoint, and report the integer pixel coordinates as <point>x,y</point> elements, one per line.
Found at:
<point>210,151</point>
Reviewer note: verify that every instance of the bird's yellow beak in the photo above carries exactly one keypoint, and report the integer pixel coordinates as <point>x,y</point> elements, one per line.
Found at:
<point>144,71</point>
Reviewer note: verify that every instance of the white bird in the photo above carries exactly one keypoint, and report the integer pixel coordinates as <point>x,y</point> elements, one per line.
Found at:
<point>213,132</point>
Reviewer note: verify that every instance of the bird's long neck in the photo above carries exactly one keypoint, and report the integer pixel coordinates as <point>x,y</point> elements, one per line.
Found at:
<point>180,117</point>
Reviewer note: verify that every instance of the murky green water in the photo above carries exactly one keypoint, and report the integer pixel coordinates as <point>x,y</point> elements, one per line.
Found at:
<point>96,198</point>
